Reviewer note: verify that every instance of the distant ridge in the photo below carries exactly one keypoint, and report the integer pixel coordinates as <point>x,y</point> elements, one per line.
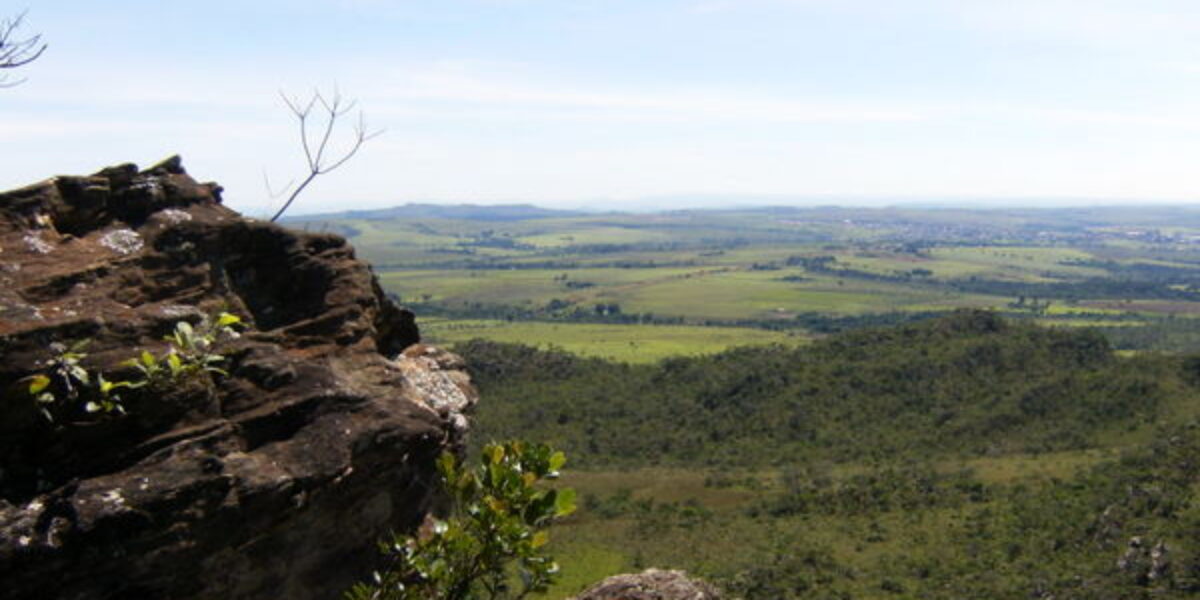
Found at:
<point>474,212</point>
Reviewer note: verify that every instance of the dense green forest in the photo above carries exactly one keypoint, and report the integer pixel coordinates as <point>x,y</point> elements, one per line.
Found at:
<point>967,456</point>
<point>971,383</point>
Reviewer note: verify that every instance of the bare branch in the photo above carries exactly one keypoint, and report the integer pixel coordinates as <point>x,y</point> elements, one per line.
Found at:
<point>16,52</point>
<point>271,190</point>
<point>316,147</point>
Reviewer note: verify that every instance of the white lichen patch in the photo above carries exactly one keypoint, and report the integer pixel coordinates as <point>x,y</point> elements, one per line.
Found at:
<point>122,241</point>
<point>174,216</point>
<point>113,497</point>
<point>149,184</point>
<point>178,311</point>
<point>438,390</point>
<point>35,243</point>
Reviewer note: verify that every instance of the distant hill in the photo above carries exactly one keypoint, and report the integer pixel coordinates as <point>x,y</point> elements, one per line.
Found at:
<point>473,212</point>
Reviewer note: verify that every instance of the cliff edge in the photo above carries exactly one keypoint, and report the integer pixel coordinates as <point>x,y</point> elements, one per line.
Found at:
<point>274,481</point>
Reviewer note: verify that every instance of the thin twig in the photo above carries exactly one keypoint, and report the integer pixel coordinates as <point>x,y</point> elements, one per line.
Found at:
<point>17,52</point>
<point>333,109</point>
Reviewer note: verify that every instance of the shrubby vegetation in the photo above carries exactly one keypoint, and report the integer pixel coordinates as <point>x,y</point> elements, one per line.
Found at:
<point>493,543</point>
<point>1170,334</point>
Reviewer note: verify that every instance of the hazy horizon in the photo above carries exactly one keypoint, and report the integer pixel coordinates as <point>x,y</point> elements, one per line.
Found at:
<point>720,202</point>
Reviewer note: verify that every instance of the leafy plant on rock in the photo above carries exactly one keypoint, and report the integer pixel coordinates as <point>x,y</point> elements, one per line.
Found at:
<point>66,382</point>
<point>63,378</point>
<point>492,544</point>
<point>192,349</point>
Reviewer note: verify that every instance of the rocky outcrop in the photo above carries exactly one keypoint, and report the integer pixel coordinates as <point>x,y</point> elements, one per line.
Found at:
<point>272,482</point>
<point>651,584</point>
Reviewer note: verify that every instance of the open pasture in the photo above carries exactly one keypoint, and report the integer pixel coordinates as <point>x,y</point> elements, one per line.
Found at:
<point>741,294</point>
<point>621,343</point>
<point>694,293</point>
<point>522,287</point>
<point>1015,263</point>
<point>765,266</point>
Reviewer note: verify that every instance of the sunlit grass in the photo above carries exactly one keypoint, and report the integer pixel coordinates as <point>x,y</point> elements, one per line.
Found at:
<point>621,343</point>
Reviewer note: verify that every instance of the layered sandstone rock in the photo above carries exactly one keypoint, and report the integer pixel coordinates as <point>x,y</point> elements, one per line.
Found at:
<point>272,482</point>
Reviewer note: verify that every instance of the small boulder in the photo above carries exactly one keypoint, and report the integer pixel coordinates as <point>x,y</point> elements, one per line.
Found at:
<point>651,584</point>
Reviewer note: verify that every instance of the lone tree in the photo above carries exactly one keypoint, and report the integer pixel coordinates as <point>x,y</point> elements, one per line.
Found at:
<point>315,141</point>
<point>16,51</point>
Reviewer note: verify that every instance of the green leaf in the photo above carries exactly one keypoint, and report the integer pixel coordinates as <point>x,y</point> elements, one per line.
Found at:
<point>446,464</point>
<point>37,383</point>
<point>148,359</point>
<point>80,374</point>
<point>225,320</point>
<point>564,504</point>
<point>557,460</point>
<point>494,453</point>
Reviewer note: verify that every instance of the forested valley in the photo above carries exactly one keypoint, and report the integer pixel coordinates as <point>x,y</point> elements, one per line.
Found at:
<point>963,456</point>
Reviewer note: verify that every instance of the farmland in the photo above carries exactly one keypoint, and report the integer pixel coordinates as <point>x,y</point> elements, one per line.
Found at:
<point>804,272</point>
<point>610,341</point>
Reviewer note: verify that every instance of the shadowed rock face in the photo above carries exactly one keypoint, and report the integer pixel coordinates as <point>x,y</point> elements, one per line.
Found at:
<point>273,482</point>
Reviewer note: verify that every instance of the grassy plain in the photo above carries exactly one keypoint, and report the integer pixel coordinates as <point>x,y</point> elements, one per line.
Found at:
<point>615,342</point>
<point>767,267</point>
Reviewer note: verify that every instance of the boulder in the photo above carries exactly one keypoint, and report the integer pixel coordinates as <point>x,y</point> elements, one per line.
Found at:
<point>651,584</point>
<point>274,480</point>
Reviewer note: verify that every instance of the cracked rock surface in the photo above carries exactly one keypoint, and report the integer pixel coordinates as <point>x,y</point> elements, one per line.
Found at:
<point>273,482</point>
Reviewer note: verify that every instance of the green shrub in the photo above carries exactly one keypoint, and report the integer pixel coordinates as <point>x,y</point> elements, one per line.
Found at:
<point>492,544</point>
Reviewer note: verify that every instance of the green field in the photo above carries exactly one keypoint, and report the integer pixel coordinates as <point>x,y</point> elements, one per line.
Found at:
<point>804,271</point>
<point>620,343</point>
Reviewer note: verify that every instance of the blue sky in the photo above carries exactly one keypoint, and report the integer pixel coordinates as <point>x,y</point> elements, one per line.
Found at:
<point>616,103</point>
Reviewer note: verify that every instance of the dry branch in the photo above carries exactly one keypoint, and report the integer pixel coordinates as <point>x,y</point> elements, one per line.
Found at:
<point>16,52</point>
<point>316,147</point>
